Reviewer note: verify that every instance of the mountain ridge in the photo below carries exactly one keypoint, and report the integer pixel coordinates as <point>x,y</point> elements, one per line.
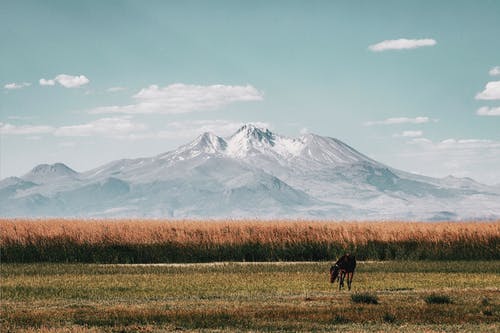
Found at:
<point>253,172</point>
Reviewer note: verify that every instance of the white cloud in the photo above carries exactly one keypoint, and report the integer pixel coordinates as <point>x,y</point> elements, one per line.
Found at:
<point>495,71</point>
<point>471,143</point>
<point>9,129</point>
<point>490,92</point>
<point>114,127</point>
<point>116,89</point>
<point>44,82</point>
<point>14,85</point>
<point>70,81</point>
<point>182,98</point>
<point>409,134</point>
<point>475,158</point>
<point>487,111</point>
<point>421,140</point>
<point>400,120</point>
<point>401,44</point>
<point>459,143</point>
<point>67,81</point>
<point>108,127</point>
<point>191,129</point>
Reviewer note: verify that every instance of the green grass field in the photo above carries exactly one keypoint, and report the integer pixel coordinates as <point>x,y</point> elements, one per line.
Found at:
<point>249,297</point>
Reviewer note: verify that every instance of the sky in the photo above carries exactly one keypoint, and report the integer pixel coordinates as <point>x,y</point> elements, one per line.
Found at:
<point>412,84</point>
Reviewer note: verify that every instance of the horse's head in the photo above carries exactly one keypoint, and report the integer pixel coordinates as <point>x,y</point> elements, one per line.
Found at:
<point>334,273</point>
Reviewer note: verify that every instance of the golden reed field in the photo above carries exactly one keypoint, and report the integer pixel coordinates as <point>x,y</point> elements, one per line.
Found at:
<point>138,231</point>
<point>136,240</point>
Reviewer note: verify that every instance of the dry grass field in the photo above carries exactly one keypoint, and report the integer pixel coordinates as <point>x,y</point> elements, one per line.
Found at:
<point>149,241</point>
<point>134,275</point>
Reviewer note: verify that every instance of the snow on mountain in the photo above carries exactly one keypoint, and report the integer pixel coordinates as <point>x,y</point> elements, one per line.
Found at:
<point>252,173</point>
<point>207,143</point>
<point>251,141</point>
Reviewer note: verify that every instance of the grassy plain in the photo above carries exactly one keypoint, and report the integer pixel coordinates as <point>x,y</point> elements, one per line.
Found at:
<point>224,297</point>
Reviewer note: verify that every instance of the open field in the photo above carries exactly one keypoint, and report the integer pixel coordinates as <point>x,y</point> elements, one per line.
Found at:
<point>249,296</point>
<point>150,241</point>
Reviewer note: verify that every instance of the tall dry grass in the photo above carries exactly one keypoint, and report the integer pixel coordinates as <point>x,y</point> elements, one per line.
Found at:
<point>23,240</point>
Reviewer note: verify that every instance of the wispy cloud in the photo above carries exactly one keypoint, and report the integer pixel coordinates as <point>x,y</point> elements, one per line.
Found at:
<point>459,144</point>
<point>490,92</point>
<point>191,129</point>
<point>421,140</point>
<point>409,134</point>
<point>476,158</point>
<point>113,127</point>
<point>67,81</point>
<point>495,71</point>
<point>108,127</point>
<point>116,89</point>
<point>13,85</point>
<point>9,129</point>
<point>400,120</point>
<point>487,111</point>
<point>183,98</point>
<point>401,44</point>
<point>44,82</point>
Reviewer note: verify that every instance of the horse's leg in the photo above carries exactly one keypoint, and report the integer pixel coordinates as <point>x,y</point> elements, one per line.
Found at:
<point>341,280</point>
<point>349,280</point>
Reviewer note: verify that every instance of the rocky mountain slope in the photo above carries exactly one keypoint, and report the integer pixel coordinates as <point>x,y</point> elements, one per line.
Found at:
<point>253,173</point>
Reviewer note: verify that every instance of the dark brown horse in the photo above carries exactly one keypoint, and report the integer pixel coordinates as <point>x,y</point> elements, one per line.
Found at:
<point>345,266</point>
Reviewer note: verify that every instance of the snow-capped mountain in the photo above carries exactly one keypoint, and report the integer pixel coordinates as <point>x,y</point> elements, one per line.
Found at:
<point>252,173</point>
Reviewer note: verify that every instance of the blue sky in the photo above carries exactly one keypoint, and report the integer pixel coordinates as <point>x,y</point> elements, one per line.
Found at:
<point>137,78</point>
